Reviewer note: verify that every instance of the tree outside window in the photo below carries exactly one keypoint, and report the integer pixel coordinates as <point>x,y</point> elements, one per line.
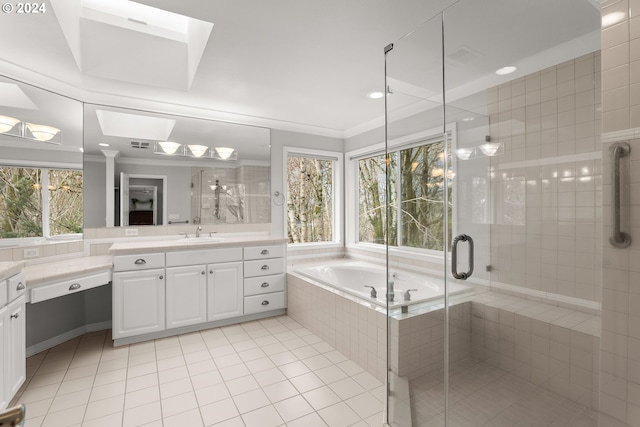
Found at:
<point>40,202</point>
<point>416,180</point>
<point>310,199</point>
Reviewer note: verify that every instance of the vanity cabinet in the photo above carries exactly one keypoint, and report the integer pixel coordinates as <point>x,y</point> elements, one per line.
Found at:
<point>264,278</point>
<point>138,295</point>
<point>224,291</point>
<point>12,336</point>
<point>186,295</point>
<point>162,294</point>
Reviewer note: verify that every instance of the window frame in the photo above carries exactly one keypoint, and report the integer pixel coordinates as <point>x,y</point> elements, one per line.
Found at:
<point>46,212</point>
<point>352,193</point>
<point>337,194</point>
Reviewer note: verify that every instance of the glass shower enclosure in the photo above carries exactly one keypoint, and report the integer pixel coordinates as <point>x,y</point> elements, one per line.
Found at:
<point>492,189</point>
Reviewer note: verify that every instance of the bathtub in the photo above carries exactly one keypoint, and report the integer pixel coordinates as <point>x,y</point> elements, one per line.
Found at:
<point>354,277</point>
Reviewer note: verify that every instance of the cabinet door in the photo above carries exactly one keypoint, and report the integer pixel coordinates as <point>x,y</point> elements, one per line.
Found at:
<point>186,295</point>
<point>16,346</point>
<point>4,359</point>
<point>138,302</point>
<point>224,291</point>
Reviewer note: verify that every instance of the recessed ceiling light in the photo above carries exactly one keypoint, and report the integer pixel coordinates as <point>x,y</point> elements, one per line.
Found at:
<point>506,70</point>
<point>376,95</point>
<point>103,144</point>
<point>612,18</point>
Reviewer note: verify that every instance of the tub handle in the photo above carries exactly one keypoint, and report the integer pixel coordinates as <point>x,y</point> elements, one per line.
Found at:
<point>454,257</point>
<point>620,239</point>
<point>374,293</point>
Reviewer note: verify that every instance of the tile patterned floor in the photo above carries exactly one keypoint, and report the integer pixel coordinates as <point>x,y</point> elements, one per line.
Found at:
<point>264,373</point>
<point>271,372</point>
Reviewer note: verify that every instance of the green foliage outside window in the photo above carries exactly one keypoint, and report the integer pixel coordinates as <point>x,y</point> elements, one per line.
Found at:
<point>22,201</point>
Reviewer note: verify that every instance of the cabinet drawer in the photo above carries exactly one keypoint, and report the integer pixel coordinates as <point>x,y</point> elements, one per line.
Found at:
<point>138,262</point>
<point>263,267</point>
<point>266,302</point>
<point>54,290</point>
<point>264,284</point>
<point>17,285</point>
<point>261,252</point>
<point>206,256</point>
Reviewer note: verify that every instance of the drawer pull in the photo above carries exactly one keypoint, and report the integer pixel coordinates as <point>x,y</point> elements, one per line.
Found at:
<point>264,252</point>
<point>210,271</point>
<point>161,277</point>
<point>203,272</point>
<point>140,261</point>
<point>265,302</point>
<point>74,286</point>
<point>20,287</point>
<point>15,316</point>
<point>264,267</point>
<point>264,285</point>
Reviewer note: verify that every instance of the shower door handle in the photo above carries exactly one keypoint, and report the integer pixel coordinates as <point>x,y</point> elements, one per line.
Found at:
<point>454,257</point>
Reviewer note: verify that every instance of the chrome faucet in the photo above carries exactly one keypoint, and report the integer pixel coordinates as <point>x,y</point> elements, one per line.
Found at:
<point>374,294</point>
<point>390,291</point>
<point>407,295</point>
<point>198,230</point>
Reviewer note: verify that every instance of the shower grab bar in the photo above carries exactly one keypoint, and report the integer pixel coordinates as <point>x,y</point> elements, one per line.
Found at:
<point>617,151</point>
<point>454,257</point>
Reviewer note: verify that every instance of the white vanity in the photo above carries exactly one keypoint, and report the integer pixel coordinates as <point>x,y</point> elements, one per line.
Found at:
<point>164,288</point>
<point>12,330</point>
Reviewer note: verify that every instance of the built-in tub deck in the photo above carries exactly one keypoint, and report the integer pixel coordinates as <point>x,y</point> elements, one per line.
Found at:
<point>555,347</point>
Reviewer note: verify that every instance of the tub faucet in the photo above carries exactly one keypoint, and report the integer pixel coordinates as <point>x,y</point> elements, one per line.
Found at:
<point>407,295</point>
<point>198,230</point>
<point>390,291</point>
<point>374,293</point>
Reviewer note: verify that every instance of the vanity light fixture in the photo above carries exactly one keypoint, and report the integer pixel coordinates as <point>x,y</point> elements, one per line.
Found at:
<point>198,150</point>
<point>7,123</point>
<point>224,152</point>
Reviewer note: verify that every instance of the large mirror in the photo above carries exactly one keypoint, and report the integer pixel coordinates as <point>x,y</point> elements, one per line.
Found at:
<point>146,168</point>
<point>41,179</point>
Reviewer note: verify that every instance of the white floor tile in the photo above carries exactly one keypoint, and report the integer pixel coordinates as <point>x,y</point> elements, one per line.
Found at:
<point>251,401</point>
<point>263,417</point>
<point>144,381</point>
<point>108,390</point>
<point>190,418</point>
<point>141,397</point>
<point>177,404</point>
<point>175,388</point>
<point>280,391</point>
<point>339,415</point>
<point>311,420</point>
<point>212,394</point>
<point>141,415</point>
<point>104,421</point>
<point>218,411</point>
<point>105,407</point>
<point>292,408</point>
<point>242,385</point>
<point>321,397</point>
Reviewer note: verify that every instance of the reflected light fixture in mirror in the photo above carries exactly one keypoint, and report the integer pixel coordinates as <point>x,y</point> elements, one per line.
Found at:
<point>169,147</point>
<point>7,123</point>
<point>42,132</point>
<point>464,153</point>
<point>224,152</point>
<point>198,150</point>
<point>491,148</point>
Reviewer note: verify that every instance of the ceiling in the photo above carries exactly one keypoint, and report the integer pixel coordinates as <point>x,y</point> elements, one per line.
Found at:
<point>296,65</point>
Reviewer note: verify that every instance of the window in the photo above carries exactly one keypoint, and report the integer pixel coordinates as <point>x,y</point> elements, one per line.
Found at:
<point>312,196</point>
<point>416,211</point>
<point>40,202</point>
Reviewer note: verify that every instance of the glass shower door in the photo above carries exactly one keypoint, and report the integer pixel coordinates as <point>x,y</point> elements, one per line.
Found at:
<point>417,219</point>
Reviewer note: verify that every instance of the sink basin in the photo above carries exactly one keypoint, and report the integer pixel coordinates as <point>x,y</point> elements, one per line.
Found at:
<point>199,240</point>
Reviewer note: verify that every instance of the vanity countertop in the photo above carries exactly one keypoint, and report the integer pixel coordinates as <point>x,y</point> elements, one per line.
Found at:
<point>10,268</point>
<point>38,274</point>
<point>192,243</point>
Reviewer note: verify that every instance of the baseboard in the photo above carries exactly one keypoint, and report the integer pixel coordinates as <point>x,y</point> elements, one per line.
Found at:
<point>69,335</point>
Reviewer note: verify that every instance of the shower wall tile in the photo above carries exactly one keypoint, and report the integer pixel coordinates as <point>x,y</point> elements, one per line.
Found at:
<point>547,185</point>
